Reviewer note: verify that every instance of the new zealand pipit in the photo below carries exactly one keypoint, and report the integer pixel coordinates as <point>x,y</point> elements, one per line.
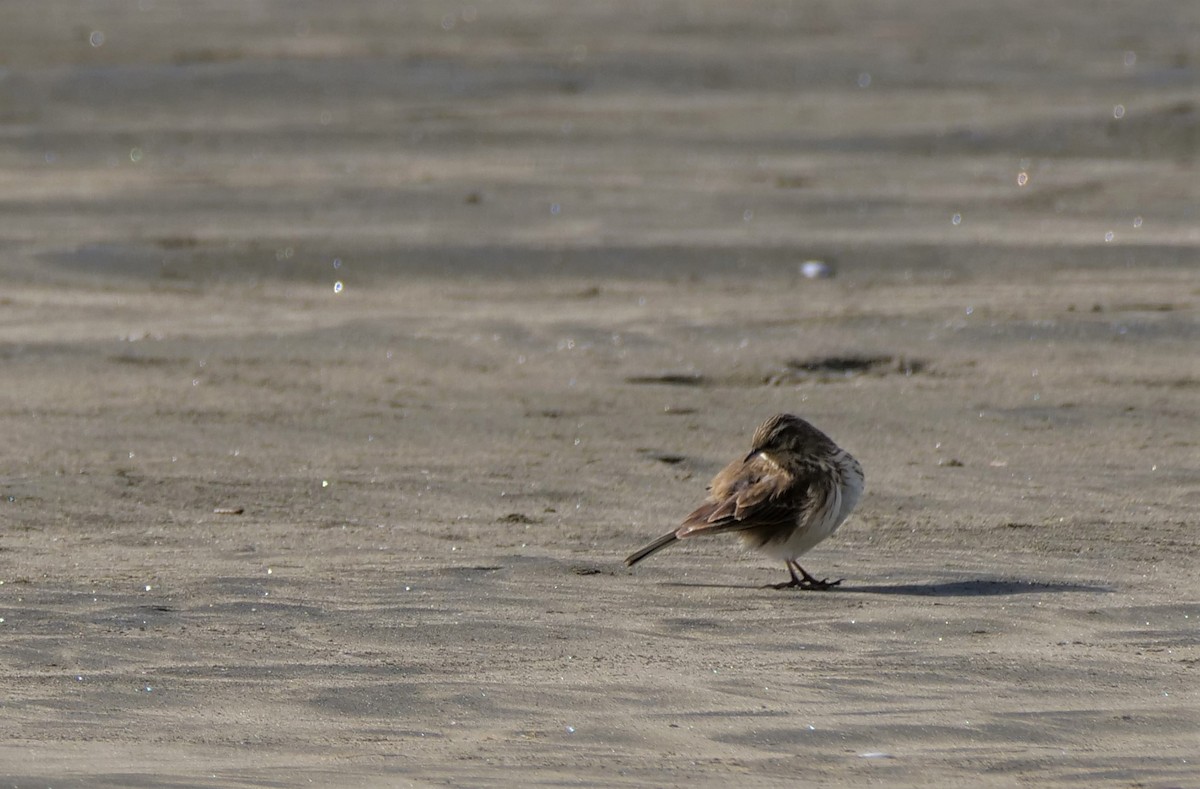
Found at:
<point>792,491</point>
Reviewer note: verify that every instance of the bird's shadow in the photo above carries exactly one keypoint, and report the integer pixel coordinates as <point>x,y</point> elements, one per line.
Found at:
<point>977,587</point>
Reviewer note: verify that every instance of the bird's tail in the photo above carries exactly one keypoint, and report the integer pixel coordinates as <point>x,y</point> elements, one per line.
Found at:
<point>646,550</point>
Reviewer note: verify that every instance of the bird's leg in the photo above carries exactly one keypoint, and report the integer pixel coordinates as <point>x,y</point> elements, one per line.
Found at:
<point>804,580</point>
<point>812,583</point>
<point>788,584</point>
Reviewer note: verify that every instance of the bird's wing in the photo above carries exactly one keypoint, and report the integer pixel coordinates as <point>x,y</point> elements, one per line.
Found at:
<point>748,495</point>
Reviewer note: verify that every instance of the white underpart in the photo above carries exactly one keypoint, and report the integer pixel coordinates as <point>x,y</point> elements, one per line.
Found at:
<point>844,496</point>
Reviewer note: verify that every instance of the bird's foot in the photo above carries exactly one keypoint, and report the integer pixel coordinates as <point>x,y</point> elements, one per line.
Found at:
<point>802,580</point>
<point>809,584</point>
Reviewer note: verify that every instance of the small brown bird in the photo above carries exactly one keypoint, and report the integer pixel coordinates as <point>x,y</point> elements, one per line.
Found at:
<point>792,491</point>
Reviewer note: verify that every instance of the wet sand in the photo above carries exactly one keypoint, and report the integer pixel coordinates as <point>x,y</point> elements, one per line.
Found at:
<point>347,354</point>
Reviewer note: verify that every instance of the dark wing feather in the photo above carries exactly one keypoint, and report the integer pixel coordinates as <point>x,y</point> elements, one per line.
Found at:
<point>756,494</point>
<point>746,496</point>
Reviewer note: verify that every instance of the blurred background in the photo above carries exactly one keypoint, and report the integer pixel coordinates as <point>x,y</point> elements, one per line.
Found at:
<point>185,142</point>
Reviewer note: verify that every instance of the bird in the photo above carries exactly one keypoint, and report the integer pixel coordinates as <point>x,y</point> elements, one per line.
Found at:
<point>793,489</point>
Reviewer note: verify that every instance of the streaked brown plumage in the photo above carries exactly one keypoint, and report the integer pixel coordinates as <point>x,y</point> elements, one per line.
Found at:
<point>791,492</point>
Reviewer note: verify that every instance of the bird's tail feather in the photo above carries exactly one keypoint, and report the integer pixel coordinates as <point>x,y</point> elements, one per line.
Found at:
<point>654,547</point>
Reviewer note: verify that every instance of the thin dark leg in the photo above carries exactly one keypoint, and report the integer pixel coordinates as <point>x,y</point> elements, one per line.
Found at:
<point>804,580</point>
<point>811,582</point>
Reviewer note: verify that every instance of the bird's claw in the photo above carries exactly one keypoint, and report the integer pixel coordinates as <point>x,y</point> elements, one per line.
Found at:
<point>811,584</point>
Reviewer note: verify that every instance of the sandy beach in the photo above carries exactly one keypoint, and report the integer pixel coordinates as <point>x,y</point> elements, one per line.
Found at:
<point>348,350</point>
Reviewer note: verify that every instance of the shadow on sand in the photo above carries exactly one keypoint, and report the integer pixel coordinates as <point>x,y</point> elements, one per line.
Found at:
<point>980,587</point>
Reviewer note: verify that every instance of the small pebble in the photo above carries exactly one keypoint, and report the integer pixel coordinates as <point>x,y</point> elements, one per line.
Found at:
<point>816,269</point>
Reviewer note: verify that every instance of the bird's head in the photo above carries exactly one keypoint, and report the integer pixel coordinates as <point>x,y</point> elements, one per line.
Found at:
<point>784,433</point>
